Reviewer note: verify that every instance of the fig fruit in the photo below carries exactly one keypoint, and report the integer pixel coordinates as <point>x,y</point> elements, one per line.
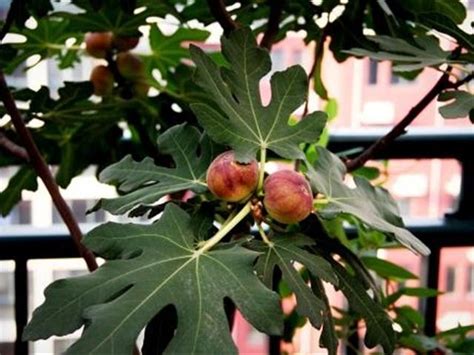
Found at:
<point>123,43</point>
<point>98,43</point>
<point>129,65</point>
<point>288,197</point>
<point>103,80</point>
<point>230,180</point>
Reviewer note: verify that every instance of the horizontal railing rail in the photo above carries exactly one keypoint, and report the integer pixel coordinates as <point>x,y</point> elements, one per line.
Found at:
<point>455,230</point>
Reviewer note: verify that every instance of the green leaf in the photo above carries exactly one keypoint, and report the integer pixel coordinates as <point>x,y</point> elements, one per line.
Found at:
<point>372,205</point>
<point>328,339</point>
<point>412,292</point>
<point>379,325</point>
<point>460,104</point>
<point>406,56</point>
<point>368,172</point>
<point>386,269</point>
<point>111,17</point>
<point>24,179</point>
<point>418,342</point>
<point>409,318</point>
<point>168,51</point>
<point>145,183</point>
<point>47,40</point>
<point>282,253</point>
<point>238,118</point>
<point>155,266</point>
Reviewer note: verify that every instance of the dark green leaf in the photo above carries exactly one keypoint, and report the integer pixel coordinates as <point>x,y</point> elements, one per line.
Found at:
<point>368,172</point>
<point>154,266</point>
<point>379,325</point>
<point>412,292</point>
<point>238,118</point>
<point>282,253</point>
<point>406,56</point>
<point>372,205</point>
<point>145,183</point>
<point>409,318</point>
<point>169,51</point>
<point>418,342</point>
<point>328,339</point>
<point>24,179</point>
<point>460,104</point>
<point>386,269</point>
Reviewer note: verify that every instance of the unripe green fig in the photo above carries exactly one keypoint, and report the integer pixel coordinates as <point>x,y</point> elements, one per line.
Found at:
<point>129,65</point>
<point>98,43</point>
<point>103,80</point>
<point>124,43</point>
<point>288,197</point>
<point>230,180</point>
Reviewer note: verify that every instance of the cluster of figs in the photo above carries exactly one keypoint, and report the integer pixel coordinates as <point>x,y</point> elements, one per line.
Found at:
<point>287,195</point>
<point>116,49</point>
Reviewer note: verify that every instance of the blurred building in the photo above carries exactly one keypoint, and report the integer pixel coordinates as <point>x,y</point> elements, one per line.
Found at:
<point>369,96</point>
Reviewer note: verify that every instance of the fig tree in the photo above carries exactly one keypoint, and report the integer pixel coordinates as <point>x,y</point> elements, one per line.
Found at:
<point>288,197</point>
<point>230,180</point>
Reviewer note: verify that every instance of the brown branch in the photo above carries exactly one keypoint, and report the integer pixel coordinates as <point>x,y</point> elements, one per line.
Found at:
<point>218,10</point>
<point>44,173</point>
<point>13,148</point>
<point>273,24</point>
<point>400,128</point>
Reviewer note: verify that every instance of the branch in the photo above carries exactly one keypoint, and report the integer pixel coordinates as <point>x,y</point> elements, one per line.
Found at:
<point>14,6</point>
<point>399,129</point>
<point>460,83</point>
<point>273,24</point>
<point>13,148</point>
<point>218,10</point>
<point>44,173</point>
<point>318,58</point>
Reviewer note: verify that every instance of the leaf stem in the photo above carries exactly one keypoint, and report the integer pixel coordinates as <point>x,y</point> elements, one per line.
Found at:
<point>225,229</point>
<point>264,236</point>
<point>263,158</point>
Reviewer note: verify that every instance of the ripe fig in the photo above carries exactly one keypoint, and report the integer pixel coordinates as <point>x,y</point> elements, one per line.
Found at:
<point>98,43</point>
<point>103,80</point>
<point>129,65</point>
<point>140,87</point>
<point>288,197</point>
<point>230,180</point>
<point>124,43</point>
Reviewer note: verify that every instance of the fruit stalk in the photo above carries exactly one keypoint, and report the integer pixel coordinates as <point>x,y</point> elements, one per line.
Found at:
<point>225,229</point>
<point>263,158</point>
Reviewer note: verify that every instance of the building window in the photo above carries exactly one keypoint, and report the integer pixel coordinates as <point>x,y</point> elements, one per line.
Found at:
<point>470,279</point>
<point>79,210</point>
<point>373,69</point>
<point>19,215</point>
<point>450,279</point>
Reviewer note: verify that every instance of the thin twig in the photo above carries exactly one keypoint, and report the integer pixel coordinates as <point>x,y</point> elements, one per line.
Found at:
<point>442,84</point>
<point>273,24</point>
<point>318,57</point>
<point>44,173</point>
<point>218,10</point>
<point>13,148</point>
<point>11,15</point>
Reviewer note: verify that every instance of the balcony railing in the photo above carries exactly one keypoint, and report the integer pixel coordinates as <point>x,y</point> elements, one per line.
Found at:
<point>454,230</point>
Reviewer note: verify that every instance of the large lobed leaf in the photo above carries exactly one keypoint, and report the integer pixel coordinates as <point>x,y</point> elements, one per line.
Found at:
<point>282,253</point>
<point>238,118</point>
<point>460,104</point>
<point>407,56</point>
<point>145,183</point>
<point>372,205</point>
<point>155,266</point>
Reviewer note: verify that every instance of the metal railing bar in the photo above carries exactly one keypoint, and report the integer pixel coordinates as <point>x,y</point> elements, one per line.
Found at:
<point>21,304</point>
